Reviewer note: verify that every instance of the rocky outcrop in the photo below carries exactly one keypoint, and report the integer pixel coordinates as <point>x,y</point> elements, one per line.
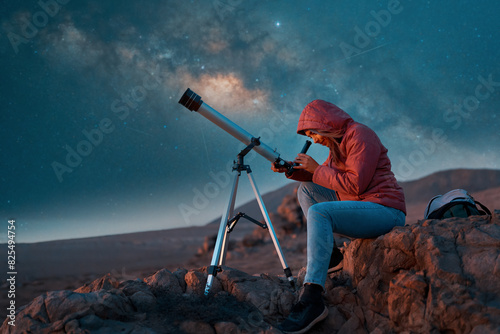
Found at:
<point>434,276</point>
<point>291,212</point>
<point>430,277</point>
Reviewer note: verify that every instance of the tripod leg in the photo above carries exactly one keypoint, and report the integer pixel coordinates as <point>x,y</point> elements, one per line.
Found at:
<point>222,258</point>
<point>286,269</point>
<point>220,244</point>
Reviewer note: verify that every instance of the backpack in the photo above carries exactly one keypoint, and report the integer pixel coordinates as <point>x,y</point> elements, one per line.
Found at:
<point>455,203</point>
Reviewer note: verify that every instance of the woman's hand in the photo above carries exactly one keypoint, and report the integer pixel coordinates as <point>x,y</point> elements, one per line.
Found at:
<point>279,169</point>
<point>306,162</point>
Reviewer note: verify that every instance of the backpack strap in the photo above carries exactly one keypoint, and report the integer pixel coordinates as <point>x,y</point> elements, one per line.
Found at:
<point>485,211</point>
<point>428,208</point>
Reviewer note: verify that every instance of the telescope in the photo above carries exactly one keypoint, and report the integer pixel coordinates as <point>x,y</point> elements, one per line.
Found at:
<point>193,102</point>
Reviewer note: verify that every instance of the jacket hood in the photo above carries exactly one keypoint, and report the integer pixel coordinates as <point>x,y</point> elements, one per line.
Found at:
<point>323,116</point>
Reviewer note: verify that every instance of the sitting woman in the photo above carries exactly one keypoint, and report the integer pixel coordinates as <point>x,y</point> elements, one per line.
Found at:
<point>353,193</point>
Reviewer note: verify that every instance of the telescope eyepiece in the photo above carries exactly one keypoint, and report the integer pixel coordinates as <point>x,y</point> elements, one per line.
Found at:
<point>304,151</point>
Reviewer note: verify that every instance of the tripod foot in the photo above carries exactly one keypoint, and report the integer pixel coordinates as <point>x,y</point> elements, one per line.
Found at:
<point>289,276</point>
<point>212,272</point>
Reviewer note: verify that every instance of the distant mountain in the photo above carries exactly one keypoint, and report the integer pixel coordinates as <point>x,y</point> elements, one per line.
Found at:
<point>472,180</point>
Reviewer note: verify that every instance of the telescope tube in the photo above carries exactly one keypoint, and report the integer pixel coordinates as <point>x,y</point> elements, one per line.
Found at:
<point>193,102</point>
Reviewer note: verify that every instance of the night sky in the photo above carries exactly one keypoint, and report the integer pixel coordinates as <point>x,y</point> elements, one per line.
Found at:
<point>93,141</point>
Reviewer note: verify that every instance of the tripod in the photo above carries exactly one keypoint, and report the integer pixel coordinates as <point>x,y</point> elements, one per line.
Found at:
<point>227,225</point>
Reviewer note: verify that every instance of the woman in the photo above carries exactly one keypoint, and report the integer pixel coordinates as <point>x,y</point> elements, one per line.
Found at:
<point>353,193</point>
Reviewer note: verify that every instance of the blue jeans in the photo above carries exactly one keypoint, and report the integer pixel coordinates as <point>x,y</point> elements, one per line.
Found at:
<point>326,216</point>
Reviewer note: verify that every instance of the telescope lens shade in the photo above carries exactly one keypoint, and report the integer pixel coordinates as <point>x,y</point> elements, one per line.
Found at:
<point>191,100</point>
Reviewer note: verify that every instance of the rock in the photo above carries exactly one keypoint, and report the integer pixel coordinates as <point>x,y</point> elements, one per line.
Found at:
<point>91,322</point>
<point>300,276</point>
<point>283,227</point>
<point>142,301</point>
<point>106,282</point>
<point>254,239</point>
<point>196,327</point>
<point>376,323</point>
<point>270,297</point>
<point>406,301</point>
<point>196,281</point>
<point>335,319</point>
<point>352,326</point>
<point>180,273</point>
<point>226,328</point>
<point>485,329</point>
<point>291,211</point>
<point>162,281</point>
<point>208,245</point>
<point>434,275</point>
<point>58,310</point>
<point>131,287</point>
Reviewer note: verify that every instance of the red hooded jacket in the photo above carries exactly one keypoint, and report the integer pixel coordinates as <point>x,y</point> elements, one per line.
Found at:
<point>366,174</point>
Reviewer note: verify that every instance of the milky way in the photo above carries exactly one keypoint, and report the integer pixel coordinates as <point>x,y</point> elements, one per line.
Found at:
<point>94,141</point>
